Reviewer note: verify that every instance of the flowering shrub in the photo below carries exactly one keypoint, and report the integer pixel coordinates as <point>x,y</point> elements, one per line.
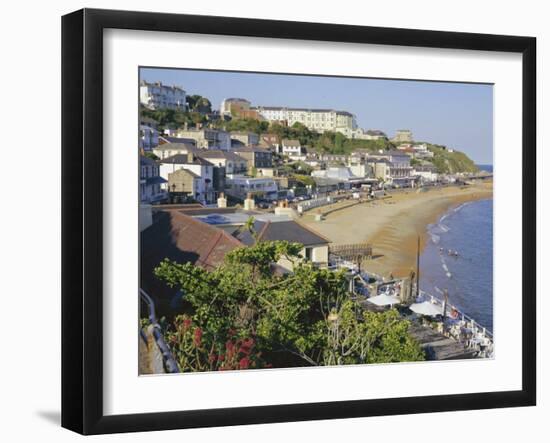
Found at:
<point>197,350</point>
<point>302,318</point>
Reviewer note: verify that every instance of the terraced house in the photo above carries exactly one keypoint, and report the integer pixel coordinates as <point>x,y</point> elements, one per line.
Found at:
<point>159,96</point>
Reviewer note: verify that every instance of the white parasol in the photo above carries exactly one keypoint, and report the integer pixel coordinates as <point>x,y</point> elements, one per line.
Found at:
<point>384,300</point>
<point>427,308</point>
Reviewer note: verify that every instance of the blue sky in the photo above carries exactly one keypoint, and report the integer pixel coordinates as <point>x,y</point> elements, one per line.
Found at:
<point>458,115</point>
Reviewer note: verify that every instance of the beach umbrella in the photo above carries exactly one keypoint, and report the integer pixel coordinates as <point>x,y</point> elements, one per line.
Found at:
<point>426,308</point>
<point>384,300</point>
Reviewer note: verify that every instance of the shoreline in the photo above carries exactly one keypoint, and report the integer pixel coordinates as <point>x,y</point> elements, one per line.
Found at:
<point>392,226</point>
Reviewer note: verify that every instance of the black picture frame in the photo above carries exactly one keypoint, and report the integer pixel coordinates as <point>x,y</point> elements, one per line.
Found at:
<point>82,215</point>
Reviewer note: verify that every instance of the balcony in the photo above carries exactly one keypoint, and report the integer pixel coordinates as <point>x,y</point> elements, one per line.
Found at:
<point>156,198</point>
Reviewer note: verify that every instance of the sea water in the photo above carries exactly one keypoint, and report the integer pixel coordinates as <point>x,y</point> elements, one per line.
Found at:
<point>459,258</point>
<point>486,168</point>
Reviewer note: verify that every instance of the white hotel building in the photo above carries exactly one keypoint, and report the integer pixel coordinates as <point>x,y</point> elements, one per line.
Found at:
<point>159,96</point>
<point>319,120</point>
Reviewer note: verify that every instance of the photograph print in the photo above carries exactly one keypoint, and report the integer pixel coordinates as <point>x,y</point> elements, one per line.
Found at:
<point>291,221</point>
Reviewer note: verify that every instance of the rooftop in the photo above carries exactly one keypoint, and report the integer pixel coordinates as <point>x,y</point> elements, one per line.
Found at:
<point>395,153</point>
<point>251,149</point>
<point>160,85</point>
<point>156,180</point>
<point>176,146</point>
<point>239,217</point>
<point>236,99</point>
<point>183,140</point>
<point>198,130</point>
<point>216,153</point>
<point>287,142</point>
<point>183,159</point>
<point>184,172</point>
<point>182,239</point>
<point>289,230</point>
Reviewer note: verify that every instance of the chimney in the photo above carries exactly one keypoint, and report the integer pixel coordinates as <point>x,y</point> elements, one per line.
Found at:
<point>284,209</point>
<point>222,201</point>
<point>249,203</point>
<point>190,157</point>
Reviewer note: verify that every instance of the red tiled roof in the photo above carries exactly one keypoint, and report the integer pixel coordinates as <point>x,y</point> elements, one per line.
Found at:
<point>182,239</point>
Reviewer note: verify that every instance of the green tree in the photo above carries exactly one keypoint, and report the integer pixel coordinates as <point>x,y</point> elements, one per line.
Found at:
<point>244,124</point>
<point>339,140</point>
<point>199,103</point>
<point>303,318</point>
<point>279,130</point>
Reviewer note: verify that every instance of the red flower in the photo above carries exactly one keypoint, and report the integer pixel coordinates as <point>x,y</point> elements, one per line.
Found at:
<point>212,358</point>
<point>221,357</point>
<point>248,343</point>
<point>186,324</point>
<point>244,351</point>
<point>246,346</point>
<point>197,337</point>
<point>244,363</point>
<point>229,345</point>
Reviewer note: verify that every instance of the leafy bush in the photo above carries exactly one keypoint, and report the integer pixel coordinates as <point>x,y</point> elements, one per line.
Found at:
<point>303,318</point>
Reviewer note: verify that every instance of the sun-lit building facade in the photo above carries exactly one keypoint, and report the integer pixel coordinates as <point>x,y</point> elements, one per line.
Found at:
<point>319,120</point>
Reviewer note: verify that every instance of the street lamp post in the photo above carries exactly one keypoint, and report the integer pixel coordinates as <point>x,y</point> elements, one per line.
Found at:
<point>174,193</point>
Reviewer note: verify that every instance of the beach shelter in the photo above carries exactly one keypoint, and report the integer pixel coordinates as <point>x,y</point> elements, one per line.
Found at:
<point>384,300</point>
<point>426,308</point>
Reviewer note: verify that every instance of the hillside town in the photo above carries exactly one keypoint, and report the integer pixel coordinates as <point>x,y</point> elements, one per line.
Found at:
<point>213,181</point>
<point>198,163</point>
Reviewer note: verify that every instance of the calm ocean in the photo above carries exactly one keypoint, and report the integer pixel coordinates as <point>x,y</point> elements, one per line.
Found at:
<point>488,168</point>
<point>468,230</point>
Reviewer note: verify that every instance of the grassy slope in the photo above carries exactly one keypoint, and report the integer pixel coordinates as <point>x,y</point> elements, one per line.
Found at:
<point>451,162</point>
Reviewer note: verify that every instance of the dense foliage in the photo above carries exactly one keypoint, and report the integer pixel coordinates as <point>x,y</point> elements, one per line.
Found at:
<point>296,168</point>
<point>243,125</point>
<point>336,143</point>
<point>327,142</point>
<point>174,119</point>
<point>243,315</point>
<point>197,103</point>
<point>450,162</point>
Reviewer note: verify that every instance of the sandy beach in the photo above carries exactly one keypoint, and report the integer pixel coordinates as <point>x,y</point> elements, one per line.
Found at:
<point>393,225</point>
